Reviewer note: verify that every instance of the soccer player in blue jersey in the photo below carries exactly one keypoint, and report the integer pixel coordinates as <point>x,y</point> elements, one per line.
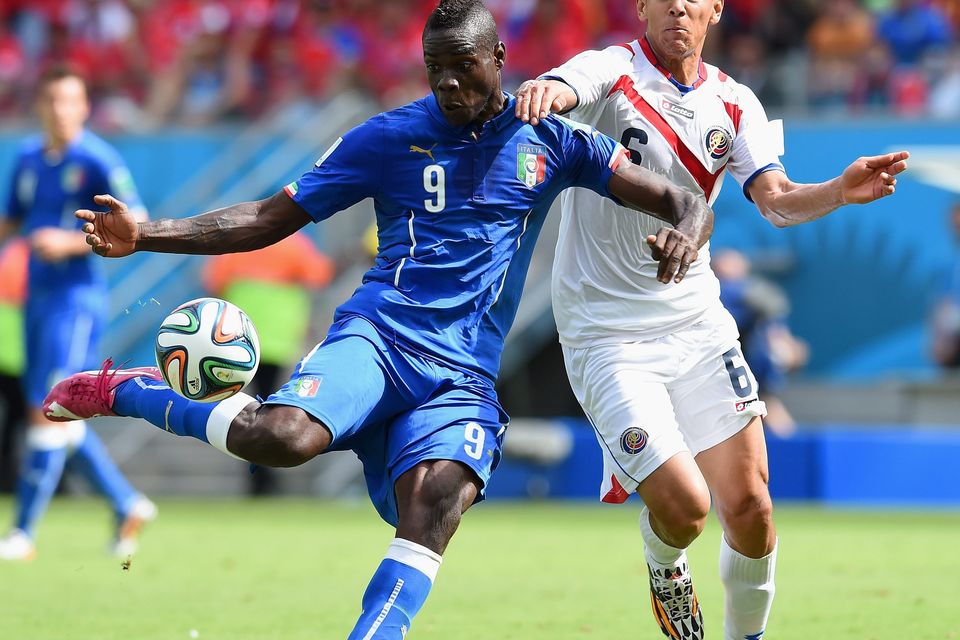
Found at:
<point>405,377</point>
<point>56,172</point>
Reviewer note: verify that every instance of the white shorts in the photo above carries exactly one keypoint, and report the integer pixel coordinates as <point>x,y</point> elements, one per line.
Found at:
<point>649,401</point>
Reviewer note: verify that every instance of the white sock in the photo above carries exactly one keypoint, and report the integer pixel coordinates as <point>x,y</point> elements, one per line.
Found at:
<point>218,422</point>
<point>417,556</point>
<point>657,551</point>
<point>76,432</point>
<point>749,587</point>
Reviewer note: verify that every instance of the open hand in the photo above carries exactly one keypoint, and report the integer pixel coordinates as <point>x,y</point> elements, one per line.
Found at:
<point>674,251</point>
<point>112,234</point>
<point>536,99</point>
<point>869,179</point>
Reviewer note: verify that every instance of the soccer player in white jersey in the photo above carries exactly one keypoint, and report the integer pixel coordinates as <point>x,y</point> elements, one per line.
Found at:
<point>658,369</point>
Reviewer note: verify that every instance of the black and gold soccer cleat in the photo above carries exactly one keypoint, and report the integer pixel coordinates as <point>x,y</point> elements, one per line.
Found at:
<point>674,602</point>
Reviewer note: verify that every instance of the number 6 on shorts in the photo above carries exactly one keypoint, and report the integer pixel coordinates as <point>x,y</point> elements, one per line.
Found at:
<point>737,368</point>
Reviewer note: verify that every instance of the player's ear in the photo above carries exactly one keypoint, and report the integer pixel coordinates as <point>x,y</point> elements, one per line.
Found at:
<point>642,9</point>
<point>500,54</point>
<point>717,11</point>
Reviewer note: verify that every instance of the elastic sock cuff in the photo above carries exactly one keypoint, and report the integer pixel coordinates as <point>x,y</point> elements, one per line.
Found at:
<point>415,556</point>
<point>745,569</point>
<point>76,433</point>
<point>46,438</point>
<point>219,421</point>
<point>656,550</point>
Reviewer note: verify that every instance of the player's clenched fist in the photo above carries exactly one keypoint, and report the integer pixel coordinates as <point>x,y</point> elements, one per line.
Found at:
<point>536,99</point>
<point>674,251</point>
<point>112,234</point>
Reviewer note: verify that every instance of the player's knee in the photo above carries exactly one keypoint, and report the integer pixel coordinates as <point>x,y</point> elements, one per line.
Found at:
<point>752,510</point>
<point>433,497</point>
<point>684,520</point>
<point>277,436</point>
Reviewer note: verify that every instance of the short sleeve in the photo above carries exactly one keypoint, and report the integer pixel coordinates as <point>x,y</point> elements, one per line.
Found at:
<point>591,75</point>
<point>758,144</point>
<point>348,172</point>
<point>590,156</point>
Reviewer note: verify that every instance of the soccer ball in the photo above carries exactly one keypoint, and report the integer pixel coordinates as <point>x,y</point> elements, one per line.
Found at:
<point>207,349</point>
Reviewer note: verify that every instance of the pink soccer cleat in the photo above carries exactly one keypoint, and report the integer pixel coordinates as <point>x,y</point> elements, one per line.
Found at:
<point>90,394</point>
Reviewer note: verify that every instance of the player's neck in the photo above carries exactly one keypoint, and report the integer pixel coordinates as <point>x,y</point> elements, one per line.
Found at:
<point>494,107</point>
<point>58,145</point>
<point>684,69</point>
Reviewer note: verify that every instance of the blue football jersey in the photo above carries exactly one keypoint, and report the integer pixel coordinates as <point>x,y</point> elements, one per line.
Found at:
<point>47,188</point>
<point>458,213</point>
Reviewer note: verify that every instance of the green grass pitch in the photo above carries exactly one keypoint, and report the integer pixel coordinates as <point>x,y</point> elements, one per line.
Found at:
<point>292,569</point>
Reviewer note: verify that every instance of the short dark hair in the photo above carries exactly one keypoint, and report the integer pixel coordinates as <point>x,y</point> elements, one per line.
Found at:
<point>469,15</point>
<point>57,72</point>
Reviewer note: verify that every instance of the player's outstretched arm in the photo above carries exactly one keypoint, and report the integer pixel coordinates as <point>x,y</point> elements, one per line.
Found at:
<point>785,203</point>
<point>676,247</point>
<point>241,227</point>
<point>536,99</point>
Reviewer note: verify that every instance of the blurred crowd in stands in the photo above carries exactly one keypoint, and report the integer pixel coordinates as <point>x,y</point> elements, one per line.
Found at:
<point>195,62</point>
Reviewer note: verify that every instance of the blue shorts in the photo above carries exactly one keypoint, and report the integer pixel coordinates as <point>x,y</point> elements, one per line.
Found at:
<point>395,408</point>
<point>62,332</point>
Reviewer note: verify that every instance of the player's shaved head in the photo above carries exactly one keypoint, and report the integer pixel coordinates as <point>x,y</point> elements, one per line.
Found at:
<point>470,17</point>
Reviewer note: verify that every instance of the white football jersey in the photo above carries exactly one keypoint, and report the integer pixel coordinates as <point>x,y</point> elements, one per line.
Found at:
<point>605,286</point>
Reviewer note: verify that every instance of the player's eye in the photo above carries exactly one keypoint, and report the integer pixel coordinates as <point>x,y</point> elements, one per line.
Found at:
<point>466,66</point>
<point>433,68</point>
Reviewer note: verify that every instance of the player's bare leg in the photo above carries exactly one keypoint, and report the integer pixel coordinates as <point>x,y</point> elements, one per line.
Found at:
<point>431,498</point>
<point>677,502</point>
<point>276,435</point>
<point>49,446</point>
<point>736,471</point>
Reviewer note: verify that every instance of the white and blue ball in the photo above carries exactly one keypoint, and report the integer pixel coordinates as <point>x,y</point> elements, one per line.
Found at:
<point>207,349</point>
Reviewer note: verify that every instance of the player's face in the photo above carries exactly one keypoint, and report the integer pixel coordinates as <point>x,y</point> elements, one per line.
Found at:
<point>678,28</point>
<point>463,75</point>
<point>63,108</point>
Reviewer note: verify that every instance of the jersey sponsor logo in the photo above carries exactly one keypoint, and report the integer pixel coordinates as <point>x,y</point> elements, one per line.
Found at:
<point>307,386</point>
<point>677,110</point>
<point>633,440</point>
<point>531,164</point>
<point>71,178</point>
<point>742,406</point>
<point>719,142</point>
<point>427,152</point>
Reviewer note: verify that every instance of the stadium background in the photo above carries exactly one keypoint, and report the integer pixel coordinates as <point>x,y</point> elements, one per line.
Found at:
<point>215,101</point>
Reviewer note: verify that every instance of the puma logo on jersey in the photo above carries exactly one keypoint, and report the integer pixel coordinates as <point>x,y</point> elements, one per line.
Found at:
<point>678,110</point>
<point>427,152</point>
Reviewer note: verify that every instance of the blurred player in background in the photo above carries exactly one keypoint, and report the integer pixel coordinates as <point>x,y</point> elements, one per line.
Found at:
<point>13,409</point>
<point>273,286</point>
<point>658,370</point>
<point>405,377</point>
<point>760,309</point>
<point>66,304</point>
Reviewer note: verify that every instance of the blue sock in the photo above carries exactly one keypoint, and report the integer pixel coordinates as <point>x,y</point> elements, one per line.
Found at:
<point>159,405</point>
<point>91,459</point>
<point>42,467</point>
<point>396,592</point>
